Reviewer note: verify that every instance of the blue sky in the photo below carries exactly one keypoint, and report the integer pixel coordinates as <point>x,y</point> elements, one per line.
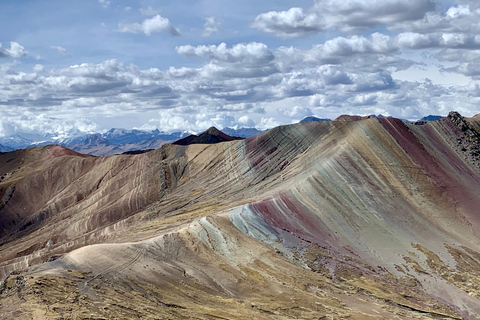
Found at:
<point>84,66</point>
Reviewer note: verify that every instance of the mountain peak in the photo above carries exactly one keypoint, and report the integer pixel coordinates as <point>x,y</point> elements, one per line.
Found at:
<point>213,131</point>
<point>210,136</point>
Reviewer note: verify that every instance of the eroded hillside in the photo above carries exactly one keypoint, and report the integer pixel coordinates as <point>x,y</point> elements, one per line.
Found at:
<point>354,219</point>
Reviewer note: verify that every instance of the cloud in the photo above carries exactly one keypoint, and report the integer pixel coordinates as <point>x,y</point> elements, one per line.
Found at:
<point>438,40</point>
<point>297,112</point>
<point>252,53</point>
<point>218,94</point>
<point>57,127</point>
<point>471,69</point>
<point>211,26</point>
<point>346,16</point>
<point>149,11</point>
<point>268,123</point>
<point>38,68</point>
<point>458,55</point>
<point>458,11</point>
<point>148,26</point>
<point>374,53</point>
<point>288,24</point>
<point>241,61</point>
<point>246,122</point>
<point>104,3</point>
<point>16,51</point>
<point>245,79</point>
<point>60,50</point>
<point>463,18</point>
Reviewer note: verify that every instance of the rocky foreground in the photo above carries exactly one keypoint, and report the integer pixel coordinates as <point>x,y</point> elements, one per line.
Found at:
<point>353,219</point>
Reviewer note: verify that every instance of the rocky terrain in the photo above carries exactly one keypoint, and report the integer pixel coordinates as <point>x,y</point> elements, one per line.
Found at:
<point>359,218</point>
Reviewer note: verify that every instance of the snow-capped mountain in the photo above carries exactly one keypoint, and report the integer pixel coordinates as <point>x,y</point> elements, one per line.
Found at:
<point>113,141</point>
<point>242,132</point>
<point>117,140</point>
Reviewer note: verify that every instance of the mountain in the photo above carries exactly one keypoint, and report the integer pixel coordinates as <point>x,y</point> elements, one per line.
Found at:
<point>348,118</point>
<point>24,140</point>
<point>5,149</point>
<point>475,117</point>
<point>426,119</point>
<point>128,137</point>
<point>242,132</point>
<point>312,119</point>
<point>365,218</point>
<point>431,118</point>
<point>114,141</point>
<point>117,141</point>
<point>210,136</point>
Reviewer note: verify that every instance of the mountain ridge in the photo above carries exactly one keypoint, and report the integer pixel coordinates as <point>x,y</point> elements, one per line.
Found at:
<point>118,140</point>
<point>320,211</point>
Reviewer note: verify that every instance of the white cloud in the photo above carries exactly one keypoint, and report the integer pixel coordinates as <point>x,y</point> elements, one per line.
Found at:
<point>347,16</point>
<point>471,69</point>
<point>60,50</point>
<point>211,26</point>
<point>438,40</point>
<point>456,19</point>
<point>297,112</point>
<point>148,26</point>
<point>246,122</point>
<point>38,68</point>
<point>458,55</point>
<point>458,11</point>
<point>31,123</point>
<point>268,123</point>
<point>196,98</point>
<point>104,3</point>
<point>252,52</point>
<point>16,51</point>
<point>291,23</point>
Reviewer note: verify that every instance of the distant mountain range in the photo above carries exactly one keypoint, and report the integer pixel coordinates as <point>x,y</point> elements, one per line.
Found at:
<point>118,141</point>
<point>114,141</point>
<point>313,119</point>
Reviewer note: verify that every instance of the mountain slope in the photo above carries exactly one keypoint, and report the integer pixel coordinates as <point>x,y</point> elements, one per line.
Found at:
<point>358,219</point>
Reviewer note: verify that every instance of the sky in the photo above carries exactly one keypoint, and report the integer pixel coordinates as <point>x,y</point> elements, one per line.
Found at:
<point>184,65</point>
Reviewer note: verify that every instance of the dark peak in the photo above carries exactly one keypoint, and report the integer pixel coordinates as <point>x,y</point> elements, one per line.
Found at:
<point>380,116</point>
<point>211,136</point>
<point>454,115</point>
<point>431,118</point>
<point>213,131</point>
<point>459,121</point>
<point>346,117</point>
